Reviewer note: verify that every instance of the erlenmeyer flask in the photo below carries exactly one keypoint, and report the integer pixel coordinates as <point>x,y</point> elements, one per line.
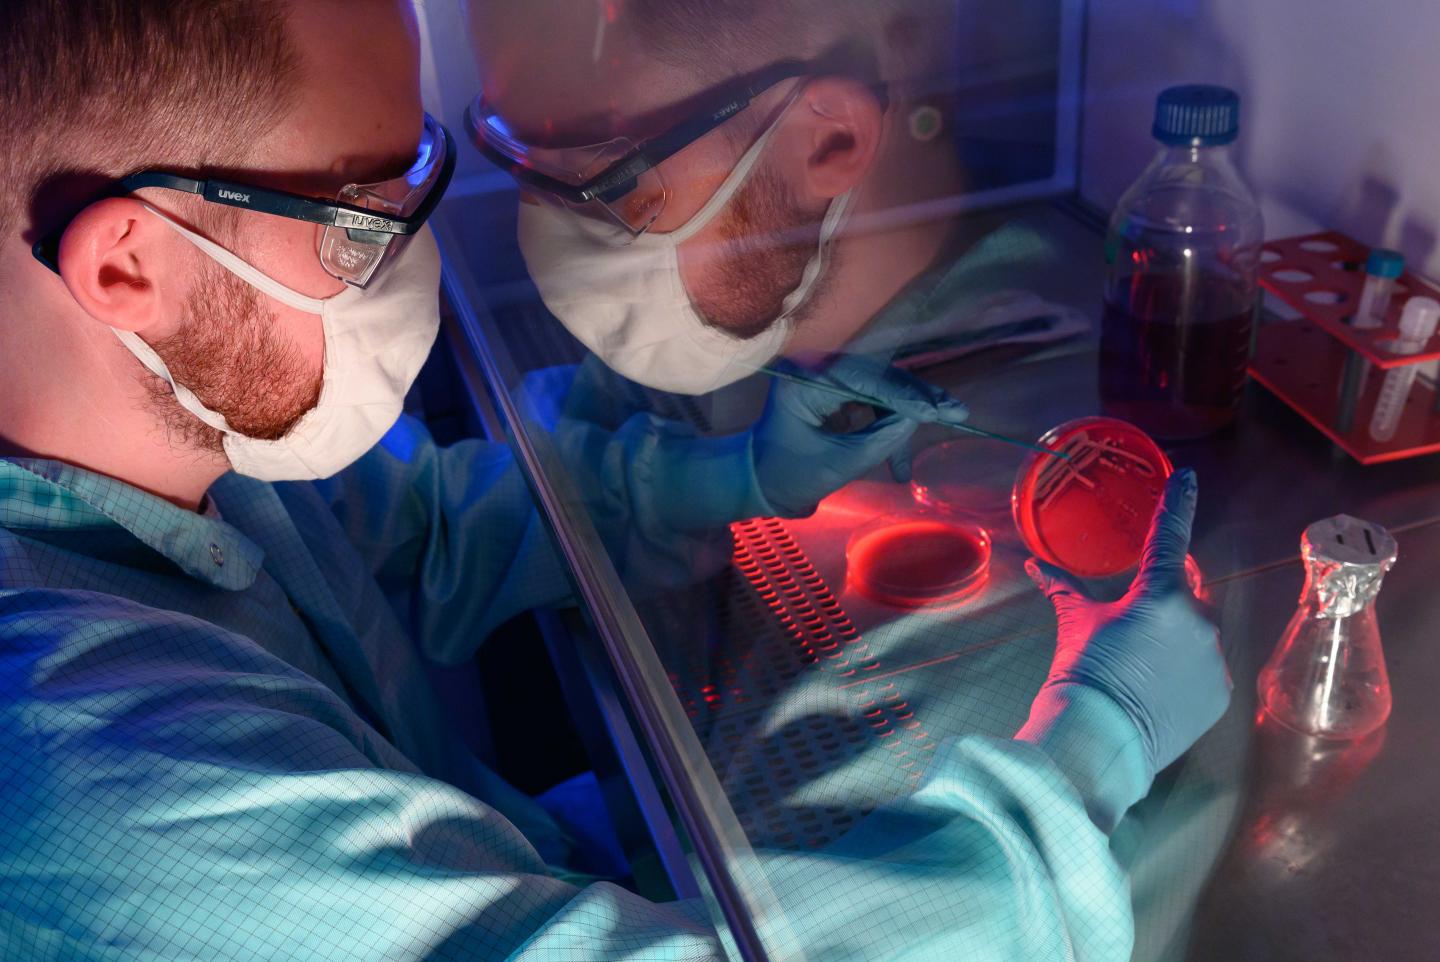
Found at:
<point>1327,676</point>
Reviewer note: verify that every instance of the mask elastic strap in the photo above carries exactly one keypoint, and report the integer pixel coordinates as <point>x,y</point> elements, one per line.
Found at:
<point>732,184</point>
<point>829,227</point>
<point>147,356</point>
<point>246,272</point>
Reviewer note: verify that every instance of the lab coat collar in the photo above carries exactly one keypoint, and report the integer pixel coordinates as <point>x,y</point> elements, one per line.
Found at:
<point>53,495</point>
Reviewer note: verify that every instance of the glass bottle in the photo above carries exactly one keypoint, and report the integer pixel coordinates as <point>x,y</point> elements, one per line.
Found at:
<point>1327,675</point>
<point>1184,258</point>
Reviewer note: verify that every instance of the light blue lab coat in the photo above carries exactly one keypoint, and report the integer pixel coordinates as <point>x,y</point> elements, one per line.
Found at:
<point>217,742</point>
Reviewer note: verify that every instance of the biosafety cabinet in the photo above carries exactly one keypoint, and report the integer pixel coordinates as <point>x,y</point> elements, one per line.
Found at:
<point>746,698</point>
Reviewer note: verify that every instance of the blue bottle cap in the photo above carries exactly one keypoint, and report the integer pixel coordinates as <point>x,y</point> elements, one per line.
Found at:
<point>1198,115</point>
<point>1385,263</point>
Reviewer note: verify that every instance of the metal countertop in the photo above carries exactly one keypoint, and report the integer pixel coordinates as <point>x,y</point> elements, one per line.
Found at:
<point>1336,852</point>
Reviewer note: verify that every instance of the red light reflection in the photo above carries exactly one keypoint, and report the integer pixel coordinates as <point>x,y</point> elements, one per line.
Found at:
<point>1195,578</point>
<point>917,562</point>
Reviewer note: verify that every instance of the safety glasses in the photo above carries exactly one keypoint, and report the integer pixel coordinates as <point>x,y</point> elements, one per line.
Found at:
<point>362,230</point>
<point>618,181</point>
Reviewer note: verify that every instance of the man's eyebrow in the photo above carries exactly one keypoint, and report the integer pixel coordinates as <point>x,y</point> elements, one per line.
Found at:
<point>327,184</point>
<point>372,168</point>
<point>583,131</point>
<point>602,126</point>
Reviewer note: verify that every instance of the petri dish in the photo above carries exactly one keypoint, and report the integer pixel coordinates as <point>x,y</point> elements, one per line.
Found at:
<point>913,561</point>
<point>968,478</point>
<point>1090,515</point>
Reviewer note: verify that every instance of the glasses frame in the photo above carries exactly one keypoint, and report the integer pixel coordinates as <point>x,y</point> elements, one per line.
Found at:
<point>618,179</point>
<point>278,203</point>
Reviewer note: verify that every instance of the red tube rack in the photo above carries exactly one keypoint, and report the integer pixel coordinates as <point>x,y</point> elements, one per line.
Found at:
<point>1328,371</point>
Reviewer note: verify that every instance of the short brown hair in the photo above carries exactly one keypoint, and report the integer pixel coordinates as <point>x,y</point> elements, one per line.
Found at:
<point>92,90</point>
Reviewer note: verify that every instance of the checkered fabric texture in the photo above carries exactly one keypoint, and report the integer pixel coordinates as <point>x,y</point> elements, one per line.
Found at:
<point>219,743</point>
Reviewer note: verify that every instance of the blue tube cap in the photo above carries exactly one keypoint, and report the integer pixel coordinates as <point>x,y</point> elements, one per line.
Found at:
<point>1385,263</point>
<point>1198,115</point>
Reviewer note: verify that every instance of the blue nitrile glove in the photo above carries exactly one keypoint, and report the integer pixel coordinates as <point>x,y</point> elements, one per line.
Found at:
<point>798,462</point>
<point>1152,652</point>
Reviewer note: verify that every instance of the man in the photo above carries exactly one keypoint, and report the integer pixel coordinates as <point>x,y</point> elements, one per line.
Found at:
<point>218,737</point>
<point>794,164</point>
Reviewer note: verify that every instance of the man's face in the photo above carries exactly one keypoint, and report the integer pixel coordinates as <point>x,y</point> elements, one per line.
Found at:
<point>357,119</point>
<point>564,74</point>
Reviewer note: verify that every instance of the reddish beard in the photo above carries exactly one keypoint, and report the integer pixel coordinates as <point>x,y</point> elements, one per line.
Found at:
<point>767,241</point>
<point>230,353</point>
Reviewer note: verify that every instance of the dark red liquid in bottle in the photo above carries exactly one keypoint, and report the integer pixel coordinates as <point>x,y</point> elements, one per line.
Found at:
<point>1173,352</point>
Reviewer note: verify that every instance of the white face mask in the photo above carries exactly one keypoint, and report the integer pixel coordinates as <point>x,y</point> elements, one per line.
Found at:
<point>629,305</point>
<point>376,340</point>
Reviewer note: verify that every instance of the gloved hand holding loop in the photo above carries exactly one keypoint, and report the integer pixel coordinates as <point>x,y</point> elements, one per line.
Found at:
<point>798,462</point>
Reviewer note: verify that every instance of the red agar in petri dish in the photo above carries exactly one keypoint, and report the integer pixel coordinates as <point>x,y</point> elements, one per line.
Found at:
<point>1091,514</point>
<point>911,562</point>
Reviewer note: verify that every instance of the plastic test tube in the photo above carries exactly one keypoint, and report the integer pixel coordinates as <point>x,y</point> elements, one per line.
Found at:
<point>1417,326</point>
<point>1382,269</point>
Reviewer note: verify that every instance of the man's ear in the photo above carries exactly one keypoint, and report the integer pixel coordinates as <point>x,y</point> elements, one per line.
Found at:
<point>111,259</point>
<point>841,122</point>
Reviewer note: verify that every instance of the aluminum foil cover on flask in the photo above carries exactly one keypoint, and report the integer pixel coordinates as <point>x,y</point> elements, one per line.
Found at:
<point>1327,675</point>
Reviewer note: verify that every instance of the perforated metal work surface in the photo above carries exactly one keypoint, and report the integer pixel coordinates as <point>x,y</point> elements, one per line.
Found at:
<point>778,627</point>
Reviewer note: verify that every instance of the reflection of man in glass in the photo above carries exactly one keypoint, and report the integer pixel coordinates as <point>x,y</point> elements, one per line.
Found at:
<point>781,168</point>
<point>857,123</point>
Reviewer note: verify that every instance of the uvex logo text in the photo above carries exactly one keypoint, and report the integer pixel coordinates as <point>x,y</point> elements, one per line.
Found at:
<point>360,221</point>
<point>233,195</point>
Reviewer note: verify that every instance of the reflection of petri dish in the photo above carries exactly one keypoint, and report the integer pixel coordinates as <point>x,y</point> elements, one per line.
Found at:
<point>1090,515</point>
<point>910,561</point>
<point>967,478</point>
